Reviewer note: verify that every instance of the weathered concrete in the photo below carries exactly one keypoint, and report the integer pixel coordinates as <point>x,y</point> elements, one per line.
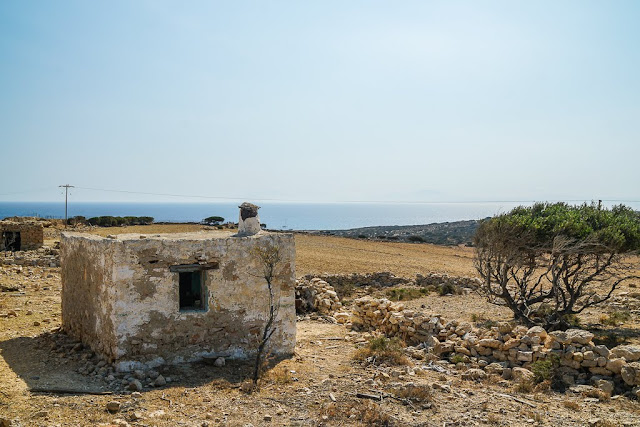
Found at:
<point>120,297</point>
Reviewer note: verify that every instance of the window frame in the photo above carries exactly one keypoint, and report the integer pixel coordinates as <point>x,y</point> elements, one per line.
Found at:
<point>201,269</point>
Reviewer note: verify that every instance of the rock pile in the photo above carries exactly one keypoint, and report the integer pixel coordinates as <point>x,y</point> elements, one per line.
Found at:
<point>41,257</point>
<point>502,348</point>
<point>316,295</point>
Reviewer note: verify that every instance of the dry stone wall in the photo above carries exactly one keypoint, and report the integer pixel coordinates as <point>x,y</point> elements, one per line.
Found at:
<point>316,295</point>
<point>386,279</point>
<point>31,233</point>
<point>503,349</point>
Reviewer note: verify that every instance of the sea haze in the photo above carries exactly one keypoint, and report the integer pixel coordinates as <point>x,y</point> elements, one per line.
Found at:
<point>278,216</point>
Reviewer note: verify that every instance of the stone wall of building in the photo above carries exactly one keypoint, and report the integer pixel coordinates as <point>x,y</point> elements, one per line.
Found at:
<point>31,234</point>
<point>121,297</point>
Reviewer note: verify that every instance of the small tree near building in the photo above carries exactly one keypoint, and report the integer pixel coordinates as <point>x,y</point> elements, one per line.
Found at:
<point>549,262</point>
<point>270,258</point>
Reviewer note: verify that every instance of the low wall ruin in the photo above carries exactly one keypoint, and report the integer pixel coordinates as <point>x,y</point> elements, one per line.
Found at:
<point>20,236</point>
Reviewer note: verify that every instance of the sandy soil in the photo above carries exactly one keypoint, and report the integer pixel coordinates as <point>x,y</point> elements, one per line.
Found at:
<point>317,386</point>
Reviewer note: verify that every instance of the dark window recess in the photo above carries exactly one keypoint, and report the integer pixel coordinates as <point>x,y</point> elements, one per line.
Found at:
<point>11,240</point>
<point>191,290</point>
<point>191,281</point>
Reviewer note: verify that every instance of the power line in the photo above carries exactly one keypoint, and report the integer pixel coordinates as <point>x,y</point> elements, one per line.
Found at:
<point>351,201</point>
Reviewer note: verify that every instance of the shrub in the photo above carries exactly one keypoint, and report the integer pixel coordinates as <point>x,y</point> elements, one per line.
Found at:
<point>406,294</point>
<point>616,318</point>
<point>457,358</point>
<point>415,239</point>
<point>113,221</point>
<point>383,350</point>
<point>446,288</point>
<point>77,220</point>
<point>544,370</point>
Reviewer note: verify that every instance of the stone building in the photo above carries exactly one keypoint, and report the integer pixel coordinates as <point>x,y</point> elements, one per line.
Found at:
<point>20,236</point>
<point>168,298</point>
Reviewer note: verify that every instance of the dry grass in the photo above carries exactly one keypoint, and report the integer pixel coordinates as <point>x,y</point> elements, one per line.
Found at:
<point>146,229</point>
<point>571,404</point>
<point>365,412</point>
<point>337,255</point>
<point>383,350</point>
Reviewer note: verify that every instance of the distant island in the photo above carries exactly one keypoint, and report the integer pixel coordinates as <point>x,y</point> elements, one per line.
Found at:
<point>445,233</point>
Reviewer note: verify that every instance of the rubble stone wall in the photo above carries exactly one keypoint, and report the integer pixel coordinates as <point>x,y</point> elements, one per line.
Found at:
<point>31,233</point>
<point>504,346</point>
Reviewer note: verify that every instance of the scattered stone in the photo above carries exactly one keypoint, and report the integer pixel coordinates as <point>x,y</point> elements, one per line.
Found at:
<point>135,385</point>
<point>474,374</point>
<point>521,374</point>
<point>159,381</point>
<point>113,406</point>
<point>219,362</point>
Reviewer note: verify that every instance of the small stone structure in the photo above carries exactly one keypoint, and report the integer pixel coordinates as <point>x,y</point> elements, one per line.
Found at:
<point>20,236</point>
<point>147,300</point>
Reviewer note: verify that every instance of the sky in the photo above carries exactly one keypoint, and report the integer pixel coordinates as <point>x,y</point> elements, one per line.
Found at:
<point>324,101</point>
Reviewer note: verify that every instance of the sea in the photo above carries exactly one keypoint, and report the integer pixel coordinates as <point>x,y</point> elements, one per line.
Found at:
<point>276,216</point>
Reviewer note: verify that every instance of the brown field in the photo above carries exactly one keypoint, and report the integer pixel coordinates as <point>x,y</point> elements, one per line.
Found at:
<point>314,388</point>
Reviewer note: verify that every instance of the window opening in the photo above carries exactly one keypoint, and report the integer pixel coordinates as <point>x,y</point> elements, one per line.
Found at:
<point>191,290</point>
<point>11,240</point>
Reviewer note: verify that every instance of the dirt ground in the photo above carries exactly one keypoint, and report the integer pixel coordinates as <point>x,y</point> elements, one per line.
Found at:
<point>316,387</point>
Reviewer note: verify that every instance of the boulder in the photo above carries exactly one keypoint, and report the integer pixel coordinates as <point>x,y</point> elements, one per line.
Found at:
<point>579,336</point>
<point>631,353</point>
<point>521,374</point>
<point>474,374</point>
<point>537,331</point>
<point>631,373</point>
<point>561,337</point>
<point>615,365</point>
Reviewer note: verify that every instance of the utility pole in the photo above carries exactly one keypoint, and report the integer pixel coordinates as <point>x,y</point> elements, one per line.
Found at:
<point>66,198</point>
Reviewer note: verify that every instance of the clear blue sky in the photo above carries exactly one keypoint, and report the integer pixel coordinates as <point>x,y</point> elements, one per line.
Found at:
<point>322,101</point>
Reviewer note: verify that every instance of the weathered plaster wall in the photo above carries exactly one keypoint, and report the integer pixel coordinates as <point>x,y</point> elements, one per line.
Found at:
<point>142,301</point>
<point>86,272</point>
<point>31,233</point>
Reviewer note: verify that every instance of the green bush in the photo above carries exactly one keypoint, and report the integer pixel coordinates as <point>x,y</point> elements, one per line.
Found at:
<point>415,239</point>
<point>113,221</point>
<point>545,369</point>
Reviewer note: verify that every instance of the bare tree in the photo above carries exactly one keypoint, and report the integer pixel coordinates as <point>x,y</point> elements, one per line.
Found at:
<point>270,257</point>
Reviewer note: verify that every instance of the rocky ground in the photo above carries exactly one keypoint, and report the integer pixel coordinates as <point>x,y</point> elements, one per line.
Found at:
<point>327,382</point>
<point>444,233</point>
